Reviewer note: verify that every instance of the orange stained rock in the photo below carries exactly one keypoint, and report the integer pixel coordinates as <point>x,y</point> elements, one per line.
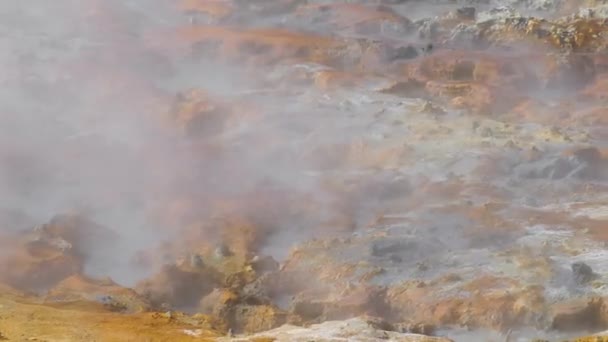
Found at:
<point>534,260</point>
<point>255,45</point>
<point>243,236</point>
<point>596,228</point>
<point>474,77</point>
<point>472,97</point>
<point>580,313</point>
<point>194,110</point>
<point>490,282</point>
<point>600,62</point>
<point>349,14</point>
<point>214,8</point>
<point>444,190</point>
<point>27,272</point>
<point>595,117</point>
<point>408,293</point>
<point>572,6</point>
<point>488,191</point>
<point>453,89</point>
<point>357,154</point>
<point>581,34</point>
<point>568,73</point>
<point>590,154</point>
<point>242,222</point>
<point>602,338</point>
<point>179,286</point>
<point>197,114</point>
<point>79,288</point>
<point>597,90</point>
<point>534,110</point>
<point>487,218</point>
<point>77,230</point>
<point>491,99</point>
<point>498,309</point>
<point>82,283</point>
<point>334,79</point>
<point>362,300</point>
<point>259,318</point>
<point>37,264</point>
<point>219,297</point>
<point>239,234</point>
<point>458,65</point>
<point>24,319</point>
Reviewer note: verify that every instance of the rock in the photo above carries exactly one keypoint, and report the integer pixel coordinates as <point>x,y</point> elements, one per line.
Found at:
<point>466,13</point>
<point>365,135</point>
<point>195,113</point>
<point>222,251</point>
<point>218,302</point>
<point>179,287</point>
<point>584,163</point>
<point>256,318</point>
<point>37,260</point>
<point>261,289</point>
<point>365,299</point>
<point>308,310</point>
<point>579,314</point>
<point>264,264</point>
<point>416,328</point>
<point>78,231</point>
<point>599,337</point>
<point>105,292</point>
<point>196,261</point>
<point>217,9</point>
<point>403,52</point>
<point>385,248</point>
<point>352,329</point>
<point>582,273</point>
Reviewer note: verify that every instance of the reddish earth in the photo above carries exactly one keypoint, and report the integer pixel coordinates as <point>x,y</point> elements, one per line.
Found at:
<point>304,170</point>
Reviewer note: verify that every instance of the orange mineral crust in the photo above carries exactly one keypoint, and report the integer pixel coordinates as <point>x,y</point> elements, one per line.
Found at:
<point>289,170</point>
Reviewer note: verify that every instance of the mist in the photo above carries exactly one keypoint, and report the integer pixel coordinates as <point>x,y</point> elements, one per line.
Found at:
<point>87,130</point>
<point>371,153</point>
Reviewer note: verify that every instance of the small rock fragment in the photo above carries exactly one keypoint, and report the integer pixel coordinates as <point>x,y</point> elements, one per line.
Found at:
<point>222,251</point>
<point>394,258</point>
<point>264,264</point>
<point>585,313</point>
<point>428,48</point>
<point>403,52</point>
<point>466,13</point>
<point>582,273</point>
<point>416,328</point>
<point>196,261</point>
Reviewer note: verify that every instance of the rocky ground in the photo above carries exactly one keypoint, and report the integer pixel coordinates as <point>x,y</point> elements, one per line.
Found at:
<point>292,170</point>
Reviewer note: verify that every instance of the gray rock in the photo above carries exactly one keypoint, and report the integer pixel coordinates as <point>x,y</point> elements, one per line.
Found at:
<point>467,13</point>
<point>222,251</point>
<point>196,261</point>
<point>264,264</point>
<point>582,273</point>
<point>403,52</point>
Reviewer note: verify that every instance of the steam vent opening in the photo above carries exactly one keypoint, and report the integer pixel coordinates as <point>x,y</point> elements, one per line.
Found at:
<point>304,170</point>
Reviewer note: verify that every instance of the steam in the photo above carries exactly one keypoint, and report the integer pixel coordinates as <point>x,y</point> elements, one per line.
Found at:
<point>80,125</point>
<point>85,130</point>
<point>90,125</point>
